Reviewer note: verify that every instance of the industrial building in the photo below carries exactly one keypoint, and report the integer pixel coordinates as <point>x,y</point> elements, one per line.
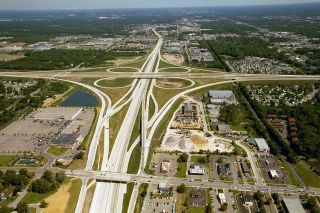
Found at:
<point>260,143</point>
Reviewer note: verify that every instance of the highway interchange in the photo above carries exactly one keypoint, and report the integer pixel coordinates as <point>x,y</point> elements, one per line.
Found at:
<point>109,193</point>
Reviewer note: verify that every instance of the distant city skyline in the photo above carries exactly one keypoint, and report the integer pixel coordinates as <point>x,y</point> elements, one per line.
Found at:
<point>112,4</point>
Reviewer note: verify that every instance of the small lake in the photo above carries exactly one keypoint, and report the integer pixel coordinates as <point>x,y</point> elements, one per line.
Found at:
<point>80,99</point>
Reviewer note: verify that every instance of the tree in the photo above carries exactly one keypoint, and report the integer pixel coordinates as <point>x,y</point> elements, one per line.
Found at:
<point>224,207</point>
<point>60,177</point>
<point>43,204</point>
<point>181,189</point>
<point>184,157</point>
<point>22,207</point>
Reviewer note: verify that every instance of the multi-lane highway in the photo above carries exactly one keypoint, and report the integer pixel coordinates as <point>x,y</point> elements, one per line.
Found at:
<point>109,194</point>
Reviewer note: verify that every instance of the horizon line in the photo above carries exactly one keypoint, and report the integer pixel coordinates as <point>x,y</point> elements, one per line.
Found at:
<point>174,7</point>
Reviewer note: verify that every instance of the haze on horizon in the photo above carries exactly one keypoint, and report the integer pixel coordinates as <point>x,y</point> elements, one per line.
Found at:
<point>110,4</point>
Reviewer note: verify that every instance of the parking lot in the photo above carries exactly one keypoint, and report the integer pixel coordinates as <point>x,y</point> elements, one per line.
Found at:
<point>35,132</point>
<point>156,203</point>
<point>158,158</point>
<point>216,203</point>
<point>224,167</point>
<point>268,163</point>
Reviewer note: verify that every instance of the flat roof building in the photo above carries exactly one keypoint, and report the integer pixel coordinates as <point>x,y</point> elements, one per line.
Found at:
<point>220,94</point>
<point>293,205</point>
<point>196,169</point>
<point>273,174</point>
<point>222,198</point>
<point>262,145</point>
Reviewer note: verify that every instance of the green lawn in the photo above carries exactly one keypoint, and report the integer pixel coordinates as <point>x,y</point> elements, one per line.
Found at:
<point>308,177</point>
<point>115,124</point>
<point>56,151</point>
<point>198,158</point>
<point>117,82</point>
<point>196,209</point>
<point>164,64</point>
<point>32,210</point>
<point>134,162</point>
<point>185,83</point>
<point>127,196</point>
<point>32,197</point>
<point>123,69</point>
<point>74,194</point>
<point>7,160</point>
<point>288,172</point>
<point>182,169</point>
<point>174,69</point>
<point>151,108</point>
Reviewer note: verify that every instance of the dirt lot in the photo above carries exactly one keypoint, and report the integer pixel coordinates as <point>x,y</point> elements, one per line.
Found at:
<point>10,57</point>
<point>175,59</point>
<point>57,201</point>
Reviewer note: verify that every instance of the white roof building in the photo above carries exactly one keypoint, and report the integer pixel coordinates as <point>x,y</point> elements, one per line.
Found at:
<point>293,205</point>
<point>273,174</point>
<point>197,169</point>
<point>220,94</point>
<point>222,198</point>
<point>262,145</point>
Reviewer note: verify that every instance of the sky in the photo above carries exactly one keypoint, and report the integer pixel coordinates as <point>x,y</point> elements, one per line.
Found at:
<point>109,4</point>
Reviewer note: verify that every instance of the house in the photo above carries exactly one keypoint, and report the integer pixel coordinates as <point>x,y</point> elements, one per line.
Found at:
<point>196,169</point>
<point>197,197</point>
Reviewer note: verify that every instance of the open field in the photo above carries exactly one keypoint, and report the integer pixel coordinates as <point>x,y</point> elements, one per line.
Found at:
<point>175,59</point>
<point>115,82</point>
<point>163,95</point>
<point>115,124</point>
<point>57,201</point>
<point>125,60</point>
<point>173,83</point>
<point>127,196</point>
<point>308,177</point>
<point>7,160</point>
<point>88,200</point>
<point>10,57</point>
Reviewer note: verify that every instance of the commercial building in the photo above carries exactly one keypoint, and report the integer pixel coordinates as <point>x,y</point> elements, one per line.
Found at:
<point>197,169</point>
<point>222,198</point>
<point>165,165</point>
<point>273,174</point>
<point>260,143</point>
<point>293,205</point>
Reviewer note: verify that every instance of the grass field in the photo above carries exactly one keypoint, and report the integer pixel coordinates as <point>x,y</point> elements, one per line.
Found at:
<point>123,69</point>
<point>88,200</point>
<point>74,192</point>
<point>288,172</point>
<point>180,83</point>
<point>126,198</point>
<point>32,197</point>
<point>308,177</point>
<point>196,209</point>
<point>115,124</point>
<point>182,169</point>
<point>115,82</point>
<point>56,151</point>
<point>99,155</point>
<point>115,93</point>
<point>173,69</point>
<point>151,108</point>
<point>7,160</point>
<point>143,187</point>
<point>163,95</point>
